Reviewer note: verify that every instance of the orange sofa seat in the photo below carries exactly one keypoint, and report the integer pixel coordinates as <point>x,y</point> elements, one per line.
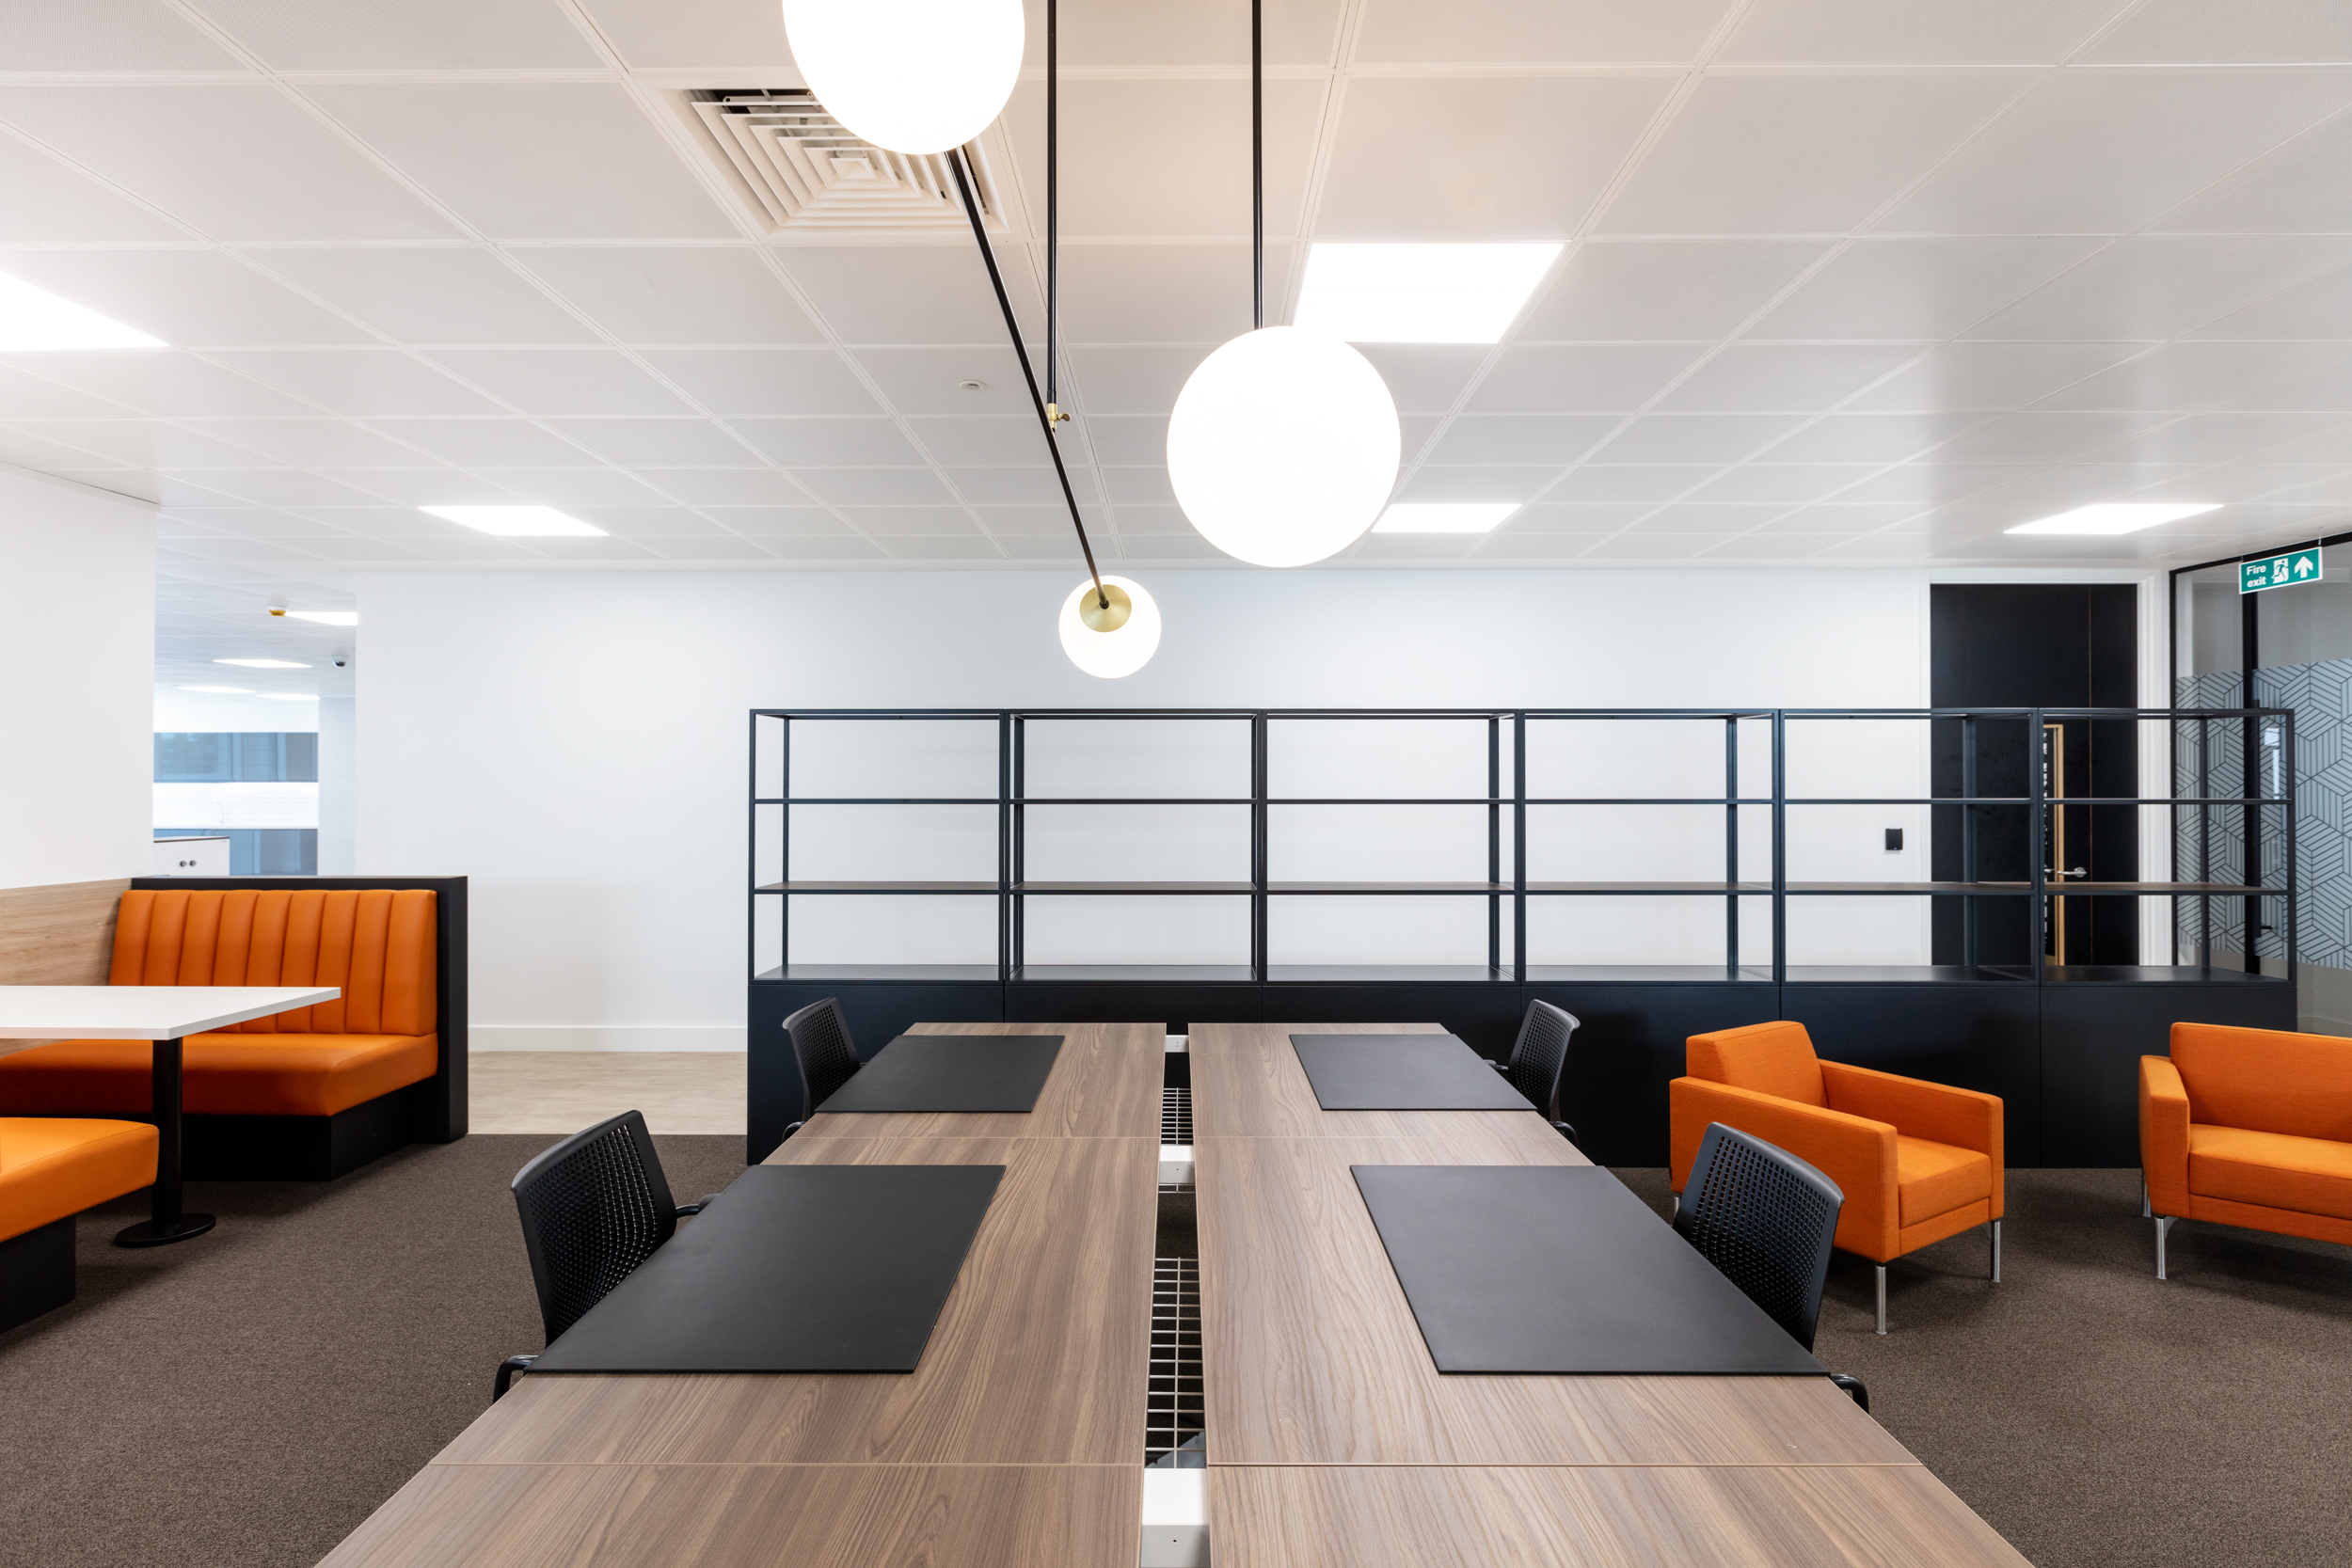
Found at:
<point>377,944</point>
<point>2249,1127</point>
<point>51,1168</point>
<point>1919,1162</point>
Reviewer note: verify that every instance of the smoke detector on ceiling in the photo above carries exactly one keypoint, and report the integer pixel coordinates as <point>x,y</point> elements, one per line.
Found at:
<point>812,176</point>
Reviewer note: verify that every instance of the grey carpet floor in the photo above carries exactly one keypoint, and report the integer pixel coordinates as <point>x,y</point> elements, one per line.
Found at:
<point>247,1398</point>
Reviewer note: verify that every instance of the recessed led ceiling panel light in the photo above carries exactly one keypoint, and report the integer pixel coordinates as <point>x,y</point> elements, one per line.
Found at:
<point>222,690</point>
<point>1420,294</point>
<point>1444,516</point>
<point>2117,518</point>
<point>290,696</point>
<point>264,663</point>
<point>326,617</point>
<point>34,319</point>
<point>517,522</point>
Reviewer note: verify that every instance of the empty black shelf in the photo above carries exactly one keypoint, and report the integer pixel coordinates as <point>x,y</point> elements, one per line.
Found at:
<point>1133,887</point>
<point>1648,888</point>
<point>901,974</point>
<point>1487,888</point>
<point>1185,973</point>
<point>878,887</point>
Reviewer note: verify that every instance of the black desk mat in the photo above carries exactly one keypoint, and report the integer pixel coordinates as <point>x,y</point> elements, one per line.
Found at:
<point>1401,1073</point>
<point>792,1269</point>
<point>1560,1269</point>
<point>951,1072</point>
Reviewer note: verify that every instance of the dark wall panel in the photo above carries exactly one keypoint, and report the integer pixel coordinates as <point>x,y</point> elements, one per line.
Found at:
<point>1128,1002</point>
<point>1486,1016</point>
<point>1628,1046</point>
<point>2092,1039</point>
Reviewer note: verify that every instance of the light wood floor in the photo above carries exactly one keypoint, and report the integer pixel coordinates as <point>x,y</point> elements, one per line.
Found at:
<point>563,1091</point>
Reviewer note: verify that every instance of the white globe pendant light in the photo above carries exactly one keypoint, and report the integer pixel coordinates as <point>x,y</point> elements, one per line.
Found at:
<point>909,75</point>
<point>1114,643</point>
<point>1283,447</point>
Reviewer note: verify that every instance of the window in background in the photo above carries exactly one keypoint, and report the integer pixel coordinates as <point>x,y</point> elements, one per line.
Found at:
<point>272,830</point>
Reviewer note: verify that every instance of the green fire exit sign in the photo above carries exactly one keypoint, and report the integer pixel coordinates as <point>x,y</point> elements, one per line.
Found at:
<point>2280,571</point>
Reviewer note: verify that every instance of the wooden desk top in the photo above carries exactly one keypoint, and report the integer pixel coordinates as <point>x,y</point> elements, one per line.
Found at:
<point>1040,1355</point>
<point>755,1517</point>
<point>1247,1083</point>
<point>1308,1516</point>
<point>1313,1355</point>
<point>1105,1083</point>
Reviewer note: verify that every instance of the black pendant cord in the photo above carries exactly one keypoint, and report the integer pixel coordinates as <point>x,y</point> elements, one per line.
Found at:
<point>1052,209</point>
<point>1012,329</point>
<point>1257,170</point>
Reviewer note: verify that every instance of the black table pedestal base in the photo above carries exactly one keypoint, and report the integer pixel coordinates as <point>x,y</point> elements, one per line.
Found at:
<point>151,1233</point>
<point>166,1224</point>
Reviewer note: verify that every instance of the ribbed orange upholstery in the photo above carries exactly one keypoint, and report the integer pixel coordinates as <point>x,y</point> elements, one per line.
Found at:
<point>2250,1127</point>
<point>1916,1161</point>
<point>375,945</point>
<point>52,1168</point>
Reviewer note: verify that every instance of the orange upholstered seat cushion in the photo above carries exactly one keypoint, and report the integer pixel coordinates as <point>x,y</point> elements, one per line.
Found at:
<point>1769,1058</point>
<point>1933,1178</point>
<point>2276,1170</point>
<point>50,1168</point>
<point>222,1074</point>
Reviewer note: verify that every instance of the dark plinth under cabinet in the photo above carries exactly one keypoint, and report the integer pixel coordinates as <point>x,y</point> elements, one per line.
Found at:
<point>2057,1043</point>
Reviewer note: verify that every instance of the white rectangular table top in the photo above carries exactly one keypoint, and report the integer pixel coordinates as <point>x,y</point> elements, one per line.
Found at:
<point>142,1012</point>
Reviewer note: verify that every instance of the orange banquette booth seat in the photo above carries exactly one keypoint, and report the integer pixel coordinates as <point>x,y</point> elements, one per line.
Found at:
<point>311,1093</point>
<point>2248,1127</point>
<point>51,1169</point>
<point>1917,1161</point>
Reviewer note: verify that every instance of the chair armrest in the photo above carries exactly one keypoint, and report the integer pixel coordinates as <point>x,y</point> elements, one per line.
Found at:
<point>686,1211</point>
<point>2164,1135</point>
<point>1853,1151</point>
<point>1938,1112</point>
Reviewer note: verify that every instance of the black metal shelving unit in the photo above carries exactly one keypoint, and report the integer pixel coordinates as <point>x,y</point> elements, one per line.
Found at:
<point>1647,1007</point>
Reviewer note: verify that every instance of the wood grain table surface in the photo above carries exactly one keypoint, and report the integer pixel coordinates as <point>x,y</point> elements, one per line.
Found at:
<point>1247,1083</point>
<point>1105,1083</point>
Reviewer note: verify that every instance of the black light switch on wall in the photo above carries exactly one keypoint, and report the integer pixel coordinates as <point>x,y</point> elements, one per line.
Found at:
<point>1894,839</point>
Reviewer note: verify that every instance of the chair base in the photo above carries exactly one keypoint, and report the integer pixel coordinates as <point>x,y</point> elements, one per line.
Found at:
<point>36,1272</point>
<point>2164,1224</point>
<point>298,1148</point>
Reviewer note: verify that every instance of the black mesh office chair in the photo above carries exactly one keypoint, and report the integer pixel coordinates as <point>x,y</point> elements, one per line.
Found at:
<point>821,1046</point>
<point>1539,1060</point>
<point>1765,1219</point>
<point>593,1207</point>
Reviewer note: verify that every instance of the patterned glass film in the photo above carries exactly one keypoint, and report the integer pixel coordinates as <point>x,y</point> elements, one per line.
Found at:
<point>2304,638</point>
<point>2209,843</point>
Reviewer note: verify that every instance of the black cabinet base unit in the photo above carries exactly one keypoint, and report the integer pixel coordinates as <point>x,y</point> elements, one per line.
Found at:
<point>305,1148</point>
<point>2064,1057</point>
<point>36,1272</point>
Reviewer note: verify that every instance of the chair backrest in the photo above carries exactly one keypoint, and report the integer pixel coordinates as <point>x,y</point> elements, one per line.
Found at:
<point>1765,1219</point>
<point>377,944</point>
<point>1541,1054</point>
<point>821,1046</point>
<point>1770,1058</point>
<point>2267,1080</point>
<point>593,1207</point>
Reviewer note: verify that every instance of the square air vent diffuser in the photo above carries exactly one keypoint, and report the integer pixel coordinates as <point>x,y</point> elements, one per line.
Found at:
<point>812,176</point>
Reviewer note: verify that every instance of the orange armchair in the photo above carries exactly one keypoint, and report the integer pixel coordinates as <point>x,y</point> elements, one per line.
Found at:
<point>2248,1127</point>
<point>1917,1161</point>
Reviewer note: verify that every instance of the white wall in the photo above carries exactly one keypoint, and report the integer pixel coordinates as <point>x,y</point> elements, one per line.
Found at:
<point>575,743</point>
<point>77,647</point>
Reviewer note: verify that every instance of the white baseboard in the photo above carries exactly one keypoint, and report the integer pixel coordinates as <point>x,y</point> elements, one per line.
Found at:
<point>606,1036</point>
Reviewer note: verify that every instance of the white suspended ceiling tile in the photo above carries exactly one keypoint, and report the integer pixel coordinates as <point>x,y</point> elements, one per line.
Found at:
<point>1589,519</point>
<point>847,547</point>
<point>1061,547</point>
<point>1482,158</point>
<point>691,442</point>
<point>358,551</point>
<point>168,383</point>
<point>1139,519</point>
<point>594,549</point>
<point>674,294</point>
<point>162,489</point>
<point>2042,437</point>
<point>1518,32</point>
<point>648,522</point>
<point>725,486</point>
<point>1029,486</point>
<point>1893,287</point>
<point>143,443</point>
<point>2108,151</point>
<point>360,381</point>
<point>188,298</point>
<point>744,37</point>
<point>1537,546</point>
<point>2201,375</point>
<point>1644,545</point>
<point>1837,517</point>
<point>1914,486</point>
<point>2162,286</point>
<point>533,160</point>
<point>265,487</point>
<point>2317,307</point>
<point>2298,188</point>
<point>567,488</point>
<point>315,443</point>
<point>1718,520</point>
<point>763,522</point>
<point>548,382</point>
<point>2274,438</point>
<point>1162,294</point>
<point>1127,441</point>
<point>237,161</point>
<point>1785,483</point>
<point>1135,487</point>
<point>243,551</point>
<point>1611,379</point>
<point>914,487</point>
<point>413,35</point>
<point>2327,391</point>
<point>1036,522</point>
<point>1766,545</point>
<point>1298,32</point>
<point>945,548</point>
<point>44,454</point>
<point>1632,289</point>
<point>892,522</point>
<point>828,443</point>
<point>1426,378</point>
<point>1996,377</point>
<point>1597,484</point>
<point>51,200</point>
<point>24,395</point>
<point>1781,153</point>
<point>492,443</point>
<point>761,381</point>
<point>1143,158</point>
<point>1488,483</point>
<point>413,488</point>
<point>915,294</point>
<point>258,523</point>
<point>1695,437</point>
<point>1139,378</point>
<point>1915,32</point>
<point>1848,437</point>
<point>2245,32</point>
<point>1779,377</point>
<point>109,36</point>
<point>1554,438</point>
<point>1015,441</point>
<point>1417,546</point>
<point>429,295</point>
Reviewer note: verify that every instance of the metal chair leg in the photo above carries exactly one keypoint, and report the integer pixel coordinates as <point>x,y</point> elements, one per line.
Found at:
<point>1997,1252</point>
<point>2145,1212</point>
<point>2164,1223</point>
<point>1882,1298</point>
